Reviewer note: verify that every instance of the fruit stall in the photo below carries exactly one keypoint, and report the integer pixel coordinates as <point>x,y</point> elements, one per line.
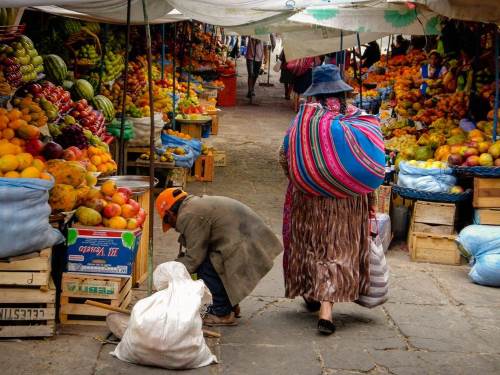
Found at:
<point>442,140</point>
<point>75,111</point>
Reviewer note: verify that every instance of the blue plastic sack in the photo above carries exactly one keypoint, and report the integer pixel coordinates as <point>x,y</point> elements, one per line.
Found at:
<point>432,180</point>
<point>24,216</point>
<point>192,147</point>
<point>482,244</point>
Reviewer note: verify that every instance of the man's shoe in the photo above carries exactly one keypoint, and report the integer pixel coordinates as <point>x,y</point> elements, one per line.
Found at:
<point>237,311</point>
<point>326,327</point>
<point>211,320</point>
<point>249,95</point>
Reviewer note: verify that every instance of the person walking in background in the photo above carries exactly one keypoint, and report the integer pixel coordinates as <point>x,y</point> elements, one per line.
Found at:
<point>286,76</point>
<point>254,57</point>
<point>326,219</point>
<point>371,55</point>
<point>400,47</point>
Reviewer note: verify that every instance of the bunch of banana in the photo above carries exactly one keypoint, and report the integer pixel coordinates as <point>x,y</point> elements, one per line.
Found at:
<point>8,16</point>
<point>5,89</point>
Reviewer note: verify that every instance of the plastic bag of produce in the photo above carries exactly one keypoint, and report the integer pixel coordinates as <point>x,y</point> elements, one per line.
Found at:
<point>431,180</point>
<point>382,225</point>
<point>191,146</point>
<point>24,216</point>
<point>165,329</point>
<point>114,128</point>
<point>142,129</point>
<point>481,243</point>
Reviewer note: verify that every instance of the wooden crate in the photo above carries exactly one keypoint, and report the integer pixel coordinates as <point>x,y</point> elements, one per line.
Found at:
<point>215,121</point>
<point>140,268</point>
<point>27,270</point>
<point>77,288</point>
<point>194,130</point>
<point>486,193</point>
<point>178,178</point>
<point>487,216</point>
<point>434,248</point>
<point>27,296</point>
<point>434,213</point>
<point>430,228</point>
<point>204,168</point>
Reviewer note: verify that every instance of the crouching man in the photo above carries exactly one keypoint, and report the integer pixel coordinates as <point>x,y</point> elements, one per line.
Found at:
<point>227,245</point>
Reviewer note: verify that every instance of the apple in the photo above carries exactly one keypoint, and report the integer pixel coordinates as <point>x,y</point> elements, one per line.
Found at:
<point>472,161</point>
<point>68,155</point>
<point>128,211</point>
<point>497,162</point>
<point>486,160</point>
<point>483,147</point>
<point>111,210</point>
<point>78,153</point>
<point>134,205</point>
<point>141,217</point>
<point>96,204</point>
<point>470,152</point>
<point>494,150</point>
<point>455,159</point>
<point>125,190</point>
<point>119,198</point>
<point>132,224</point>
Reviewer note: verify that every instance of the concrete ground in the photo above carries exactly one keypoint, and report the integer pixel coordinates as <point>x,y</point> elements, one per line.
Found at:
<point>435,322</point>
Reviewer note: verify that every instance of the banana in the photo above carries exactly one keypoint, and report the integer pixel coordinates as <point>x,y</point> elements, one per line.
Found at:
<point>3,17</point>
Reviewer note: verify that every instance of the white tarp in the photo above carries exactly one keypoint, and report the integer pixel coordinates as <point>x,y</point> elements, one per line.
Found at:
<point>382,18</point>
<point>469,10</point>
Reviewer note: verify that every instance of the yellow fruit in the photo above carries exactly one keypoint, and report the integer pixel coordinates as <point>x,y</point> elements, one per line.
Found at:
<point>108,188</point>
<point>12,174</point>
<point>25,160</point>
<point>7,148</point>
<point>30,172</point>
<point>63,197</point>
<point>96,160</point>
<point>8,163</point>
<point>91,179</point>
<point>117,222</point>
<point>8,133</point>
<point>45,176</point>
<point>67,172</point>
<point>38,164</point>
<point>102,168</point>
<point>92,168</point>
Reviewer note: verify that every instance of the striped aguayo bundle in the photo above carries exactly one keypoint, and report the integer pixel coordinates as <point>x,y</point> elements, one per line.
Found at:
<point>335,156</point>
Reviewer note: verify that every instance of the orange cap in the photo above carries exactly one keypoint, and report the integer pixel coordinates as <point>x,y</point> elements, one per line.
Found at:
<point>165,201</point>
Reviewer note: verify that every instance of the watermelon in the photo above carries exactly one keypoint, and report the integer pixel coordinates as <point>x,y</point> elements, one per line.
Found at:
<point>55,68</point>
<point>104,105</point>
<point>82,89</point>
<point>67,85</point>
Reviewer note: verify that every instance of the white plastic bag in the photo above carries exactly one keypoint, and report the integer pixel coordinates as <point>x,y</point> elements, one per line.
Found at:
<point>142,128</point>
<point>379,277</point>
<point>165,329</point>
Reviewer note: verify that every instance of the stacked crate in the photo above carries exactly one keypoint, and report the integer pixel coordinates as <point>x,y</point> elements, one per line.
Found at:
<point>432,234</point>
<point>487,201</point>
<point>27,296</point>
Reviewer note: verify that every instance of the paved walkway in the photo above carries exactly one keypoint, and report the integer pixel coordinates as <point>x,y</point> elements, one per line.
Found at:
<point>436,321</point>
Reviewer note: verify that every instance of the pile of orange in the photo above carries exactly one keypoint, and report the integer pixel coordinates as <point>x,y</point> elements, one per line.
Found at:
<point>100,161</point>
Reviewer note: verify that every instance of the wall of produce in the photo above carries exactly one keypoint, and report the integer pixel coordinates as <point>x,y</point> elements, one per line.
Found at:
<point>61,87</point>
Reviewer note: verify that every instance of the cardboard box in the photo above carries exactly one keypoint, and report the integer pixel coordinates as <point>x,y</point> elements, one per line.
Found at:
<point>102,251</point>
<point>383,199</point>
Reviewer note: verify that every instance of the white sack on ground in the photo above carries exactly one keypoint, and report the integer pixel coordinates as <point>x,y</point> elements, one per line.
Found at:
<point>165,329</point>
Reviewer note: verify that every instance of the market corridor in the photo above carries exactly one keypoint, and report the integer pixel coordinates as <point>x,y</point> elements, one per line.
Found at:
<point>436,321</point>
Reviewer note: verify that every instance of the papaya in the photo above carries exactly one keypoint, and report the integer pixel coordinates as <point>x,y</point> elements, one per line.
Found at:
<point>69,173</point>
<point>63,197</point>
<point>88,216</point>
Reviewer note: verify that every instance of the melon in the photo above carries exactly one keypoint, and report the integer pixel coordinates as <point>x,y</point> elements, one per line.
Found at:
<point>82,89</point>
<point>55,68</point>
<point>71,26</point>
<point>105,105</point>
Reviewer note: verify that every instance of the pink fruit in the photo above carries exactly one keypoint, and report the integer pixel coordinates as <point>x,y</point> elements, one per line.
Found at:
<point>455,159</point>
<point>470,152</point>
<point>111,210</point>
<point>472,161</point>
<point>134,205</point>
<point>126,191</point>
<point>497,162</point>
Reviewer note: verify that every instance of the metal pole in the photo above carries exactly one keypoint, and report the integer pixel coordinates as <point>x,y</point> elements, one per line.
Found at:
<point>388,47</point>
<point>151,149</point>
<point>162,52</point>
<point>341,66</point>
<point>497,89</point>
<point>121,157</point>
<point>360,79</point>
<point>190,59</point>
<point>174,67</point>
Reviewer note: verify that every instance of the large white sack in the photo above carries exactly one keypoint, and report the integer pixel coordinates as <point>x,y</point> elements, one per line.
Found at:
<point>165,329</point>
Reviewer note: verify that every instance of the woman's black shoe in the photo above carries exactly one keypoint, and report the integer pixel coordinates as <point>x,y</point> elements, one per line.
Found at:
<point>312,306</point>
<point>326,327</point>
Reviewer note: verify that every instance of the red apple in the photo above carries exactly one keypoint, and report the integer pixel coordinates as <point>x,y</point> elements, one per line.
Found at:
<point>68,155</point>
<point>78,153</point>
<point>470,152</point>
<point>497,162</point>
<point>455,159</point>
<point>128,211</point>
<point>112,209</point>
<point>141,217</point>
<point>472,161</point>
<point>483,147</point>
<point>119,198</point>
<point>135,205</point>
<point>125,190</point>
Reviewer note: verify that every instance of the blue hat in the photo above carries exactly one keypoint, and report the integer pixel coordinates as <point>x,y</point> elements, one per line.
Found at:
<point>326,80</point>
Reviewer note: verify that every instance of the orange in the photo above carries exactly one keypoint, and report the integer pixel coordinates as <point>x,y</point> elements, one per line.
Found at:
<point>96,160</point>
<point>119,198</point>
<point>8,133</point>
<point>8,163</point>
<point>108,188</point>
<point>92,168</point>
<point>117,222</point>
<point>12,174</point>
<point>4,121</point>
<point>45,176</point>
<point>14,114</point>
<point>30,172</point>
<point>102,168</point>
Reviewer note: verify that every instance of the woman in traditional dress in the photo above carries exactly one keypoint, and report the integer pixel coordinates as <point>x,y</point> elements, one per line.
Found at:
<point>326,239</point>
